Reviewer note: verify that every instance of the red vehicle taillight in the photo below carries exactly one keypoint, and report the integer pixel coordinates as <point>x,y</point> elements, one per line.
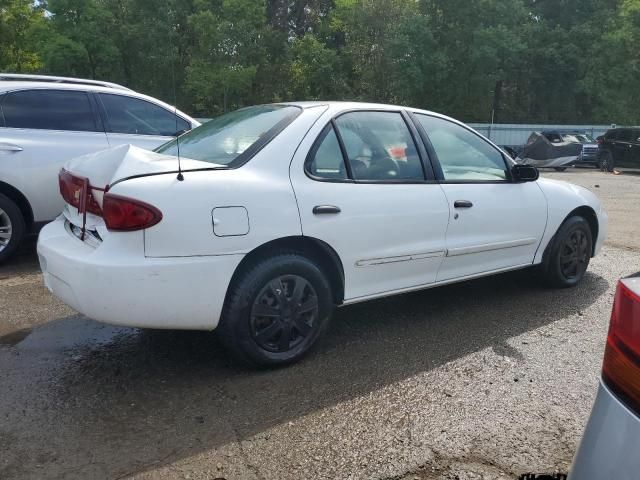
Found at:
<point>75,189</point>
<point>621,368</point>
<point>125,214</point>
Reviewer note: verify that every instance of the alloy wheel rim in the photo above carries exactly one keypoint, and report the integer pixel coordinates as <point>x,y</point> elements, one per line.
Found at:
<point>574,255</point>
<point>6,230</point>
<point>284,314</point>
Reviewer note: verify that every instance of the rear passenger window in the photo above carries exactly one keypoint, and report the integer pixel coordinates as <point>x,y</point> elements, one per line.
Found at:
<point>327,161</point>
<point>139,117</point>
<point>49,110</point>
<point>379,147</point>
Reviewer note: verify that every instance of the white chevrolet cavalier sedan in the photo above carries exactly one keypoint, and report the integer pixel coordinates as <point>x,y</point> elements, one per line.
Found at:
<point>261,221</point>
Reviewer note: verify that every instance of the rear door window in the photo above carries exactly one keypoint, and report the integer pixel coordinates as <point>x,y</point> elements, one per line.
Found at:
<point>327,161</point>
<point>379,147</point>
<point>138,117</point>
<point>49,110</point>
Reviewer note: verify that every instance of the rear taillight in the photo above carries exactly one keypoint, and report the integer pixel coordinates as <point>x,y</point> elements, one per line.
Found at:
<point>75,189</point>
<point>621,368</point>
<point>125,214</point>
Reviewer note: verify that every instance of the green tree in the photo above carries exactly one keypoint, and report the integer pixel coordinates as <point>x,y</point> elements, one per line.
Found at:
<point>315,71</point>
<point>227,55</point>
<point>19,22</point>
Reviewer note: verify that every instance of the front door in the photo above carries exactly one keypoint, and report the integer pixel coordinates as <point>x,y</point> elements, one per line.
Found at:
<point>495,224</point>
<point>362,190</point>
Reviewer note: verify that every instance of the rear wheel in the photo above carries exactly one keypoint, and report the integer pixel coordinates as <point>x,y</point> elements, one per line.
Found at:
<point>606,162</point>
<point>276,310</point>
<point>568,256</point>
<point>12,227</point>
<point>560,169</point>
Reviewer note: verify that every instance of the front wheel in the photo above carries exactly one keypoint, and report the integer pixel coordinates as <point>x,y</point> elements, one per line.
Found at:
<point>568,256</point>
<point>276,310</point>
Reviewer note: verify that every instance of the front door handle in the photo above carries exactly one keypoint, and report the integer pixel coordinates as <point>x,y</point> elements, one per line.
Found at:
<point>462,204</point>
<point>9,147</point>
<point>325,210</point>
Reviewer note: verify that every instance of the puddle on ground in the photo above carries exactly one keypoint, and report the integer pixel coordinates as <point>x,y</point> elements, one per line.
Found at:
<point>66,333</point>
<point>14,338</point>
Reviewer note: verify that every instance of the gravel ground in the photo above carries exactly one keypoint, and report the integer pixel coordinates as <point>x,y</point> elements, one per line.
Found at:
<point>486,379</point>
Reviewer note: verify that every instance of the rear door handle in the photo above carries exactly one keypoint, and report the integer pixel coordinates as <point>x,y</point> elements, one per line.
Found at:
<point>462,204</point>
<point>325,210</point>
<point>9,147</point>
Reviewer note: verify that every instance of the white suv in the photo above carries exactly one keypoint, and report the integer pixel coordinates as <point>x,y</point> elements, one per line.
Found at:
<point>46,121</point>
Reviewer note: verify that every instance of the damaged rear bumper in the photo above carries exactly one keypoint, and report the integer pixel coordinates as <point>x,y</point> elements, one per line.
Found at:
<point>115,283</point>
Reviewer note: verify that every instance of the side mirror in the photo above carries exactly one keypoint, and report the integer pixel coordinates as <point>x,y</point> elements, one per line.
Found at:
<point>524,173</point>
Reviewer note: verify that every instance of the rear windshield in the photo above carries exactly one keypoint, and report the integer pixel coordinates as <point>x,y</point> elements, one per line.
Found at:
<point>235,137</point>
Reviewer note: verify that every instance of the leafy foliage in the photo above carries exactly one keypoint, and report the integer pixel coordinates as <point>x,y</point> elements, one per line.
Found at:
<point>511,60</point>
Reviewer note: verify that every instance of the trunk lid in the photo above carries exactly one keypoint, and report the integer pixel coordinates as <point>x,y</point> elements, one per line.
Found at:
<point>108,166</point>
<point>102,169</point>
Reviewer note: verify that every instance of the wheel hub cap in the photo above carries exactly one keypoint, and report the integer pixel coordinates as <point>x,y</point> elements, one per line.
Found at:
<point>284,314</point>
<point>575,254</point>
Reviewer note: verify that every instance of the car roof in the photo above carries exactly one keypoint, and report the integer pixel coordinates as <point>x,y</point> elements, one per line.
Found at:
<point>13,85</point>
<point>52,79</point>
<point>346,105</point>
<point>341,106</point>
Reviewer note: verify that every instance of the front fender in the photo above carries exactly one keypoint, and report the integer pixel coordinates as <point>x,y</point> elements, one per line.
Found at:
<point>563,199</point>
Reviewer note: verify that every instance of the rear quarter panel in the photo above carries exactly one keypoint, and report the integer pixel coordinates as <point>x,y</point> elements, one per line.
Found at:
<point>261,187</point>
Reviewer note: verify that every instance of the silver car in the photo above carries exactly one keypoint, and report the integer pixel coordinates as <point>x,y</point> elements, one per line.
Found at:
<point>611,441</point>
<point>46,121</point>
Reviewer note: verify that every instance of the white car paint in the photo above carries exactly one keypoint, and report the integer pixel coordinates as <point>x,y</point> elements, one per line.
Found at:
<point>30,159</point>
<point>389,238</point>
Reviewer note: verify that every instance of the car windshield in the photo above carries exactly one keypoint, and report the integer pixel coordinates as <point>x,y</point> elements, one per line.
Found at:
<point>577,138</point>
<point>234,136</point>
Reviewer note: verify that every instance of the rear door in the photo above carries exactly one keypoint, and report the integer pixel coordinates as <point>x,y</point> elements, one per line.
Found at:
<point>42,130</point>
<point>361,188</point>
<point>496,224</point>
<point>131,120</point>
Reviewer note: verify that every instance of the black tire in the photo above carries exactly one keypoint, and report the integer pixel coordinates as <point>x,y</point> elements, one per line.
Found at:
<point>270,287</point>
<point>606,162</point>
<point>567,257</point>
<point>12,224</point>
<point>559,169</point>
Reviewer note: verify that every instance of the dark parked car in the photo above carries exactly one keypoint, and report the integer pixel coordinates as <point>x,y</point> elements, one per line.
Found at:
<point>619,148</point>
<point>560,149</point>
